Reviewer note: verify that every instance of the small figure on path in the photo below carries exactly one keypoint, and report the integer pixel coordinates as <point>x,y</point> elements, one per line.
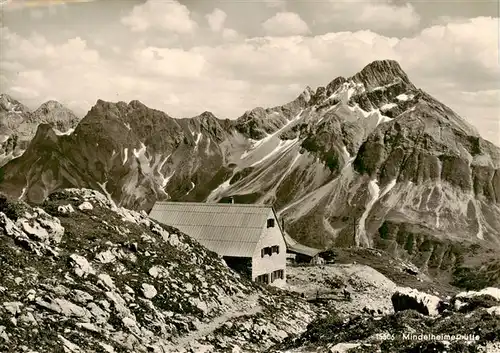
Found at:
<point>347,294</point>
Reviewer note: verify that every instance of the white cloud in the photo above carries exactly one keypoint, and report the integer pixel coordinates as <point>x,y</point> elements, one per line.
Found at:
<point>24,93</point>
<point>456,62</point>
<point>489,97</point>
<point>285,24</point>
<point>462,53</point>
<point>169,62</point>
<point>444,20</point>
<point>36,50</point>
<point>229,34</point>
<point>216,20</point>
<point>373,14</point>
<point>160,14</point>
<point>11,5</point>
<point>481,108</point>
<point>34,77</point>
<point>274,3</point>
<point>36,14</point>
<point>38,69</point>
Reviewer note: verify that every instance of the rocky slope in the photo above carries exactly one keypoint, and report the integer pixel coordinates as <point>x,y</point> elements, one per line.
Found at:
<point>18,124</point>
<point>80,274</point>
<point>420,322</point>
<point>368,160</point>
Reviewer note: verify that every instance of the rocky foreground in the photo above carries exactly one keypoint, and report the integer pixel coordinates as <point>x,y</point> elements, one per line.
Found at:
<point>82,275</point>
<point>384,317</point>
<point>79,274</point>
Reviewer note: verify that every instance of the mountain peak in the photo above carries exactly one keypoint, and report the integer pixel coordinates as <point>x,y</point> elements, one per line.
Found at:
<point>206,115</point>
<point>137,104</point>
<point>6,97</point>
<point>306,94</point>
<point>9,104</point>
<point>380,73</point>
<point>50,106</point>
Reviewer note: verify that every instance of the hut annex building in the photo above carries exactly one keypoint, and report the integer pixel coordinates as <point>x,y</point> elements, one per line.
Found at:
<point>248,236</point>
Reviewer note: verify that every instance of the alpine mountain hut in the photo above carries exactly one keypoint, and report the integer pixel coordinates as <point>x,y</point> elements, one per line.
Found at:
<point>248,237</point>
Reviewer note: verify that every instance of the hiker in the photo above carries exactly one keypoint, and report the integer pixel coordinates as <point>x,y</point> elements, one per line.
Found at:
<point>347,294</point>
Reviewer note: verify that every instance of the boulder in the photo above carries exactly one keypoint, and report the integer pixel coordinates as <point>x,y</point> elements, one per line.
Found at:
<point>485,298</point>
<point>411,299</point>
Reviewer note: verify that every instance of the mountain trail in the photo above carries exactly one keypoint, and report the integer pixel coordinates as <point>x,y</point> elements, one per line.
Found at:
<point>250,306</point>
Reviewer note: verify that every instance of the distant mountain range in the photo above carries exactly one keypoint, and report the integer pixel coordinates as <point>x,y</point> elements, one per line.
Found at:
<point>18,124</point>
<point>369,160</point>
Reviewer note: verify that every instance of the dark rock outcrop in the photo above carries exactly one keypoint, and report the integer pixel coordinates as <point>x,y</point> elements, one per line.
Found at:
<point>412,299</point>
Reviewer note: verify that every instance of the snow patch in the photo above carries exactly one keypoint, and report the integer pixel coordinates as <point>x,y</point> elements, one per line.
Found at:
<point>167,179</point>
<point>207,148</point>
<point>388,188</point>
<point>140,151</point>
<point>164,180</point>
<point>381,118</point>
<point>346,91</point>
<point>65,133</point>
<point>404,97</point>
<point>347,156</point>
<point>374,191</point>
<point>125,157</point>
<point>257,143</point>
<point>388,106</point>
<point>220,189</point>
<point>283,145</point>
<point>381,88</point>
<point>198,138</point>
<point>192,187</point>
<point>288,171</point>
<point>492,291</point>
<point>480,233</point>
<point>22,194</point>
<point>127,125</point>
<point>325,111</point>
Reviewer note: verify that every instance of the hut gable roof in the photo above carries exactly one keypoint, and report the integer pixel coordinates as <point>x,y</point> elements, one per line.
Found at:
<point>227,229</point>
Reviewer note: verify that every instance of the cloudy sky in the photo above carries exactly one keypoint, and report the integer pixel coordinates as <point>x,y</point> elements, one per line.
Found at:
<point>228,56</point>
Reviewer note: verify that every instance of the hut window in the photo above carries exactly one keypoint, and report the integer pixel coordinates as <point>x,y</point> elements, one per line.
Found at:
<point>266,251</point>
<point>262,278</point>
<point>270,223</point>
<point>278,274</point>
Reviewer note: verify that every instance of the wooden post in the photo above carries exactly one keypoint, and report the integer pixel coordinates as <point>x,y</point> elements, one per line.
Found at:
<point>354,228</point>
